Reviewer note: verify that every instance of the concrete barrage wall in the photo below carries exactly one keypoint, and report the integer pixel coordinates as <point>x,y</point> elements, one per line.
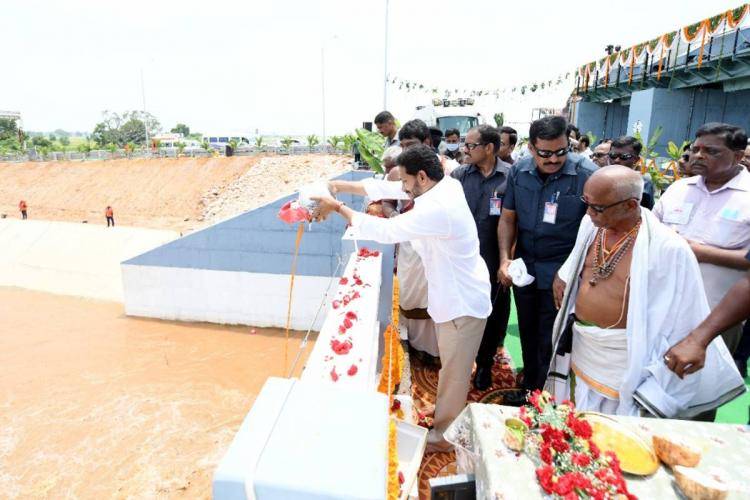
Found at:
<point>71,259</point>
<point>237,271</point>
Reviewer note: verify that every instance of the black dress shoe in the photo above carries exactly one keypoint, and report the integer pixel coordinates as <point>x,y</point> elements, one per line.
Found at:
<point>516,397</point>
<point>483,378</point>
<point>742,367</point>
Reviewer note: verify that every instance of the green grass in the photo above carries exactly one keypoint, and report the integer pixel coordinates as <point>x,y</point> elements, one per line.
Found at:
<point>735,412</point>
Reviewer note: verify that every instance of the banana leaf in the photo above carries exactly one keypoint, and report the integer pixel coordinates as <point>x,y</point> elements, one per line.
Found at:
<point>371,147</point>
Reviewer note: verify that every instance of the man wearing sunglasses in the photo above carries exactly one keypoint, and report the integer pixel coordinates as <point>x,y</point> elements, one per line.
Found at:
<point>600,156</point>
<point>626,151</point>
<point>542,210</point>
<point>629,289</point>
<point>712,211</point>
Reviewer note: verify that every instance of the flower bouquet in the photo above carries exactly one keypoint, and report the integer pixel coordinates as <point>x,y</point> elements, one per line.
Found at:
<point>568,464</point>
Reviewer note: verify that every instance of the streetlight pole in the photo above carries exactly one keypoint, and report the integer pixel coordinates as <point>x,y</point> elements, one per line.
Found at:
<point>323,90</point>
<point>385,61</point>
<point>145,118</point>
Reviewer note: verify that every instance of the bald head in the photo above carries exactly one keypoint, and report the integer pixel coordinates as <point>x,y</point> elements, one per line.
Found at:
<point>617,182</point>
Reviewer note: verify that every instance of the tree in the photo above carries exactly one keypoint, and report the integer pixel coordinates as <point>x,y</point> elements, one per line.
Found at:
<point>64,140</point>
<point>334,142</point>
<point>119,129</point>
<point>181,128</point>
<point>286,143</point>
<point>312,141</point>
<point>499,119</point>
<point>259,142</point>
<point>180,148</point>
<point>134,130</point>
<point>39,141</point>
<point>10,136</point>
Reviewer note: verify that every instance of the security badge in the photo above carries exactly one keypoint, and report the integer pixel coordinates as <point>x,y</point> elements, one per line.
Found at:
<point>550,209</point>
<point>496,204</point>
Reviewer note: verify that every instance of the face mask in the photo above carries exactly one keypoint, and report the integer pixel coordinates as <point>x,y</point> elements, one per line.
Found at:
<point>451,147</point>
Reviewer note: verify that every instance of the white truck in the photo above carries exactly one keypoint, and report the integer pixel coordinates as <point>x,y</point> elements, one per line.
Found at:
<point>448,114</point>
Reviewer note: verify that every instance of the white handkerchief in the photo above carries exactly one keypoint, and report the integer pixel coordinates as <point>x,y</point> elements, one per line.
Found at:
<point>518,273</point>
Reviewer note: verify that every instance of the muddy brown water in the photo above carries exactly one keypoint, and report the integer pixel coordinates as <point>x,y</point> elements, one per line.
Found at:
<point>94,404</point>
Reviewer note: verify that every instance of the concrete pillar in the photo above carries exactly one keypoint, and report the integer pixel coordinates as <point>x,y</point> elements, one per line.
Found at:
<point>673,110</point>
<point>589,117</point>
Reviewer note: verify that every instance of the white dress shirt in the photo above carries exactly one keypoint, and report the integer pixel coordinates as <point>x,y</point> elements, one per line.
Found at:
<point>442,231</point>
<point>719,218</point>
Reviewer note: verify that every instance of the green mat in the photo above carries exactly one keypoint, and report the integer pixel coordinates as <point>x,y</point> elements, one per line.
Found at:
<point>735,412</point>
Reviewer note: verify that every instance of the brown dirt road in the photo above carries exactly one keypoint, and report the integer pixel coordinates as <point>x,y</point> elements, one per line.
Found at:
<point>94,404</point>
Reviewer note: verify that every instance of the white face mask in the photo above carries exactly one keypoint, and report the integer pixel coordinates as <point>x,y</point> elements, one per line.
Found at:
<point>451,147</point>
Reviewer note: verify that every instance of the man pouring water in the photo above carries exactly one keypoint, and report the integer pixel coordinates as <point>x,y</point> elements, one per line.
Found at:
<point>442,231</point>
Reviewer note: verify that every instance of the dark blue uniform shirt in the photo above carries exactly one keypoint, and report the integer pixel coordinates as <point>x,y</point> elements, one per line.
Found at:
<point>543,246</point>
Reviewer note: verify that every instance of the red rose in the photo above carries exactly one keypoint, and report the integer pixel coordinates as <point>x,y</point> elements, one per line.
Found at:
<point>534,399</point>
<point>343,281</point>
<point>594,450</point>
<point>580,428</point>
<point>351,315</point>
<point>560,446</point>
<point>545,477</point>
<point>581,460</point>
<point>352,371</point>
<point>546,454</point>
<point>564,485</point>
<point>614,463</point>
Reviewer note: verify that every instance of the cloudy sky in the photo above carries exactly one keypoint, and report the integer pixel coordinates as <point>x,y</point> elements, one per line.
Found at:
<point>225,66</point>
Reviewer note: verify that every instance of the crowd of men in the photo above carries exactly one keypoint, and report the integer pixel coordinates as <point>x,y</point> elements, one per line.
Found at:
<point>613,284</point>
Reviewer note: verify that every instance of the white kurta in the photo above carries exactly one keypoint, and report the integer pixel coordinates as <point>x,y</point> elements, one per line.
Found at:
<point>413,295</point>
<point>666,303</point>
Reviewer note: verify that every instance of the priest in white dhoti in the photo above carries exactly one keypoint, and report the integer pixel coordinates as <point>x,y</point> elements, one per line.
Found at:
<point>630,289</point>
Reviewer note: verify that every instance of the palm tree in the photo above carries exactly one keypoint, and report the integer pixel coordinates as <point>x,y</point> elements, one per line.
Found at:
<point>180,148</point>
<point>259,142</point>
<point>312,141</point>
<point>286,143</point>
<point>334,142</point>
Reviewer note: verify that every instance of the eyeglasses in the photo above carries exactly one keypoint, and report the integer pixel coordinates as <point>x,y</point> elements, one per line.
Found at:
<point>622,156</point>
<point>600,209</point>
<point>545,153</point>
<point>599,155</point>
<point>472,145</point>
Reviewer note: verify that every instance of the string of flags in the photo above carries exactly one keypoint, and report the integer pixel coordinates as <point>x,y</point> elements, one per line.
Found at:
<point>521,89</point>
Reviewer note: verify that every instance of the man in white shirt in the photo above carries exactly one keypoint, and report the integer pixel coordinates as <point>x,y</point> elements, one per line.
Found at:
<point>712,211</point>
<point>442,231</point>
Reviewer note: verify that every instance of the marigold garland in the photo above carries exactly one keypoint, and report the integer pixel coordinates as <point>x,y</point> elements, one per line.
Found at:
<point>394,488</point>
<point>390,377</point>
<point>396,303</point>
